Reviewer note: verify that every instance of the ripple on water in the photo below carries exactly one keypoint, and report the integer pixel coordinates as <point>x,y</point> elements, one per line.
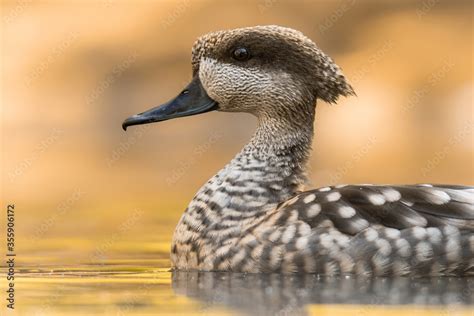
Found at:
<point>132,287</point>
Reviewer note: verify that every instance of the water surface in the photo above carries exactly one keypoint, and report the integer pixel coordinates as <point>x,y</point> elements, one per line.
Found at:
<point>148,287</point>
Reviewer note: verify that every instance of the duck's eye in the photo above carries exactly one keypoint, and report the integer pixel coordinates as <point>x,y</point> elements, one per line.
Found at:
<point>241,54</point>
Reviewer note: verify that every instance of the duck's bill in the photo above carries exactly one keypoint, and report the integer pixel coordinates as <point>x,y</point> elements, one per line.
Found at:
<point>191,101</point>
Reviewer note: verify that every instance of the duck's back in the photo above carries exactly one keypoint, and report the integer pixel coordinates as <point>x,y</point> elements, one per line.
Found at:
<point>367,229</point>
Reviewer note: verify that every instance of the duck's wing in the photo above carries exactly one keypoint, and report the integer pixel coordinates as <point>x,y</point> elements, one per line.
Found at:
<point>353,208</point>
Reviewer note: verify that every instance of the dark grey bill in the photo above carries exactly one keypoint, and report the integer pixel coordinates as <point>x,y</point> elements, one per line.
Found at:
<point>191,101</point>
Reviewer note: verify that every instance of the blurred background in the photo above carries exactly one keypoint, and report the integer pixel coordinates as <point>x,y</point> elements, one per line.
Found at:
<point>72,71</point>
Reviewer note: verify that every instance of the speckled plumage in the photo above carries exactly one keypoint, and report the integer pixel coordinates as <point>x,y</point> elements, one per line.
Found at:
<point>253,216</point>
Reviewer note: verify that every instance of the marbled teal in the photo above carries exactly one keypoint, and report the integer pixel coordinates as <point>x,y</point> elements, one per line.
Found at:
<point>254,216</point>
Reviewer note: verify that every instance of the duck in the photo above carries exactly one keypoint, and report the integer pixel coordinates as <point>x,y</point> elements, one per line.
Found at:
<point>255,216</point>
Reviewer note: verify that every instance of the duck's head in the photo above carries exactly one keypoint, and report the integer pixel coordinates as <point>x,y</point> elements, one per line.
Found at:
<point>263,70</point>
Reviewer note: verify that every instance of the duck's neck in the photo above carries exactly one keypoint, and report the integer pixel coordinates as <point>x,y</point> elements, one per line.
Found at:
<point>268,170</point>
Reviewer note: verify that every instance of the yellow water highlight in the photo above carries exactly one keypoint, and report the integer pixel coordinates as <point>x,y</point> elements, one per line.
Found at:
<point>82,292</point>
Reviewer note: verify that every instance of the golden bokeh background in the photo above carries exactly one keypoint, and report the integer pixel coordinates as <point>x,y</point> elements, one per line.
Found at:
<point>72,71</point>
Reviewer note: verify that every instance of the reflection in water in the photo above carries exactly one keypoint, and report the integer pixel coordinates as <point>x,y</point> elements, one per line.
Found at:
<point>288,294</point>
<point>147,287</point>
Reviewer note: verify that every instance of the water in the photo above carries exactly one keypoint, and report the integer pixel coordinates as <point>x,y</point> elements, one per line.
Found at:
<point>280,294</point>
<point>147,287</point>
